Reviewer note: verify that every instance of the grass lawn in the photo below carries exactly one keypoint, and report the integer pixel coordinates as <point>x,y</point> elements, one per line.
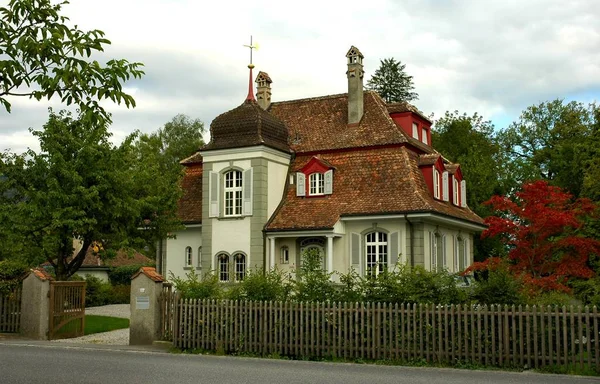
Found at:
<point>97,324</point>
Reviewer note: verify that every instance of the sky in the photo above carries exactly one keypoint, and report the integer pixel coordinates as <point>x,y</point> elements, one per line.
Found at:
<point>495,58</point>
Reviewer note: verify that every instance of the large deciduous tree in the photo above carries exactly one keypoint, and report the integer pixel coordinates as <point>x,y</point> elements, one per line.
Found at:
<point>77,188</point>
<point>40,56</point>
<point>542,226</point>
<point>392,82</point>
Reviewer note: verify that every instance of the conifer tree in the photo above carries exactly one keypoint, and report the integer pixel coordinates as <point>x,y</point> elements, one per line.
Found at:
<point>392,82</point>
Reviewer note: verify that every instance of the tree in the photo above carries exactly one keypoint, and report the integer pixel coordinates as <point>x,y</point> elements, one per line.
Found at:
<point>550,142</point>
<point>42,57</point>
<point>77,188</point>
<point>542,226</point>
<point>392,83</point>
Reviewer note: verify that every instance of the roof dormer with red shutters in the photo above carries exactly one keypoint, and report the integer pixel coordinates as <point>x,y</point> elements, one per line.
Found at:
<point>412,121</point>
<point>457,188</point>
<point>432,166</point>
<point>315,178</point>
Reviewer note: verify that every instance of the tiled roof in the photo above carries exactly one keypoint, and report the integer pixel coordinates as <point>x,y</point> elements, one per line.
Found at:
<point>428,159</point>
<point>151,273</point>
<point>121,259</point>
<point>41,274</point>
<point>404,106</point>
<point>451,168</point>
<point>320,123</point>
<point>245,126</point>
<point>196,158</point>
<point>189,206</point>
<point>365,182</point>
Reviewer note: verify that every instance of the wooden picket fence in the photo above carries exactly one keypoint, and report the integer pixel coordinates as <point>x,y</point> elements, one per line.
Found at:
<point>488,335</point>
<point>167,311</point>
<point>10,311</point>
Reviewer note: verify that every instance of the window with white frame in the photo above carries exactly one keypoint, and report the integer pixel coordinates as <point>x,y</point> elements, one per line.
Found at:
<point>188,256</point>
<point>436,183</point>
<point>376,252</point>
<point>438,252</point>
<point>233,193</point>
<point>239,260</point>
<point>424,135</point>
<point>459,254</point>
<point>316,184</point>
<point>455,191</point>
<point>223,265</point>
<point>415,131</point>
<point>285,255</point>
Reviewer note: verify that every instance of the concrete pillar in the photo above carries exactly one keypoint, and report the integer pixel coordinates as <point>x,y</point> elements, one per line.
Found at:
<point>35,311</point>
<point>272,254</point>
<point>144,326</point>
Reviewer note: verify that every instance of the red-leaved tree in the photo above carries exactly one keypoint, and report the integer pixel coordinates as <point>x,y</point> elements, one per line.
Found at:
<point>541,226</point>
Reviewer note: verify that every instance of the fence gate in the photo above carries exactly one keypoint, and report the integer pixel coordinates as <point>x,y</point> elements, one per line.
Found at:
<point>67,309</point>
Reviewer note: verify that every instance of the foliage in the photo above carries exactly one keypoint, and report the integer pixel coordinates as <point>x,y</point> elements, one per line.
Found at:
<point>261,286</point>
<point>98,292</point>
<point>192,287</point>
<point>554,141</point>
<point>97,324</point>
<point>312,282</point>
<point>43,57</point>
<point>542,226</point>
<point>392,82</point>
<point>76,188</point>
<point>122,275</point>
<point>497,285</point>
<point>11,273</point>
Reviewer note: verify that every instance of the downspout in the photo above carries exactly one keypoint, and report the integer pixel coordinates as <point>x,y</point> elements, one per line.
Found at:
<point>412,240</point>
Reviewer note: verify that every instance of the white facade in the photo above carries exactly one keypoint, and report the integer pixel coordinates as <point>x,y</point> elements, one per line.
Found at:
<point>177,258</point>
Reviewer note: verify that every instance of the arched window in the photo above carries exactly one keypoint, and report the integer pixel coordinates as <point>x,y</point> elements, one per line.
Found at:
<point>240,266</point>
<point>223,261</point>
<point>233,193</point>
<point>188,256</point>
<point>376,251</point>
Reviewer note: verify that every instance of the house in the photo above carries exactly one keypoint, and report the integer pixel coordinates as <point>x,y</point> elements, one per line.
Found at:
<point>347,175</point>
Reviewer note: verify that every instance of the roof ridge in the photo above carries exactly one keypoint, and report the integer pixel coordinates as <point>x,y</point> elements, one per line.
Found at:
<point>315,98</point>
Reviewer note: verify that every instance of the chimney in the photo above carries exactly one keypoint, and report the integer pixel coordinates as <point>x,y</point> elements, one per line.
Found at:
<point>263,90</point>
<point>355,85</point>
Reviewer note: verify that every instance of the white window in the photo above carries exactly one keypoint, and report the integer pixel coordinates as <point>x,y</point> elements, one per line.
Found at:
<point>438,252</point>
<point>415,131</point>
<point>240,266</point>
<point>199,257</point>
<point>455,190</point>
<point>459,254</point>
<point>424,136</point>
<point>233,193</point>
<point>317,184</point>
<point>285,255</point>
<point>223,261</point>
<point>376,251</point>
<point>436,183</point>
<point>188,256</point>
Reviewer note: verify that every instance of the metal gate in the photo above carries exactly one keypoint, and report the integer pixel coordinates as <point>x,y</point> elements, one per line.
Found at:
<point>67,309</point>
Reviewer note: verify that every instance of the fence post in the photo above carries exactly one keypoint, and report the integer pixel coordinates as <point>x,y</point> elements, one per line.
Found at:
<point>145,324</point>
<point>35,309</point>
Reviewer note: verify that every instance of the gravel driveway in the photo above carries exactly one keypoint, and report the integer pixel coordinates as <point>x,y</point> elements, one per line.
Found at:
<point>118,337</point>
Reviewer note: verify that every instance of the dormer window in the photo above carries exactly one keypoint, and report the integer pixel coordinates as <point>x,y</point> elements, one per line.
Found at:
<point>415,131</point>
<point>455,191</point>
<point>424,136</point>
<point>436,183</point>
<point>317,184</point>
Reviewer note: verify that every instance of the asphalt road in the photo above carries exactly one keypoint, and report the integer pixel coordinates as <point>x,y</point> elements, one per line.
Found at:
<point>22,363</point>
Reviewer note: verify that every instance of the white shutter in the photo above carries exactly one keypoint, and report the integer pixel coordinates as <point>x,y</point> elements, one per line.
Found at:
<point>213,194</point>
<point>300,184</point>
<point>463,193</point>
<point>445,186</point>
<point>247,182</point>
<point>329,182</point>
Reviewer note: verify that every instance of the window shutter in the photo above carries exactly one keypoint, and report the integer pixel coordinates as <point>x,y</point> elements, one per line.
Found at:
<point>463,193</point>
<point>445,186</point>
<point>213,194</point>
<point>393,249</point>
<point>248,191</point>
<point>355,249</point>
<point>444,263</point>
<point>300,184</point>
<point>467,254</point>
<point>436,186</point>
<point>329,182</point>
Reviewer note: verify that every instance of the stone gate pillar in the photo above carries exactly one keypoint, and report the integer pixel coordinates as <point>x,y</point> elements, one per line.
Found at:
<point>35,311</point>
<point>144,326</point>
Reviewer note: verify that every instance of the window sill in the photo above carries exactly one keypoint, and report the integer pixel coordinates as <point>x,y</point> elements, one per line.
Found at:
<point>187,268</point>
<point>226,218</point>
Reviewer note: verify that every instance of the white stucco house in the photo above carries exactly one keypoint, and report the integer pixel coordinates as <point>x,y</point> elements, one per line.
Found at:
<point>349,175</point>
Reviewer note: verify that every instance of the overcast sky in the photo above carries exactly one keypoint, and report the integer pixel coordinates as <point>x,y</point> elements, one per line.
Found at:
<point>491,57</point>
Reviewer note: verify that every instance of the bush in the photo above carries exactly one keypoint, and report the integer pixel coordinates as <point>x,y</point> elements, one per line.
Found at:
<point>313,282</point>
<point>500,287</point>
<point>192,287</point>
<point>11,274</point>
<point>98,292</point>
<point>260,286</point>
<point>122,275</point>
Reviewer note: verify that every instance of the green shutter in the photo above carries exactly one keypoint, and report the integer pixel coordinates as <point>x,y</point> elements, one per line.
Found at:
<point>355,249</point>
<point>329,182</point>
<point>248,191</point>
<point>300,184</point>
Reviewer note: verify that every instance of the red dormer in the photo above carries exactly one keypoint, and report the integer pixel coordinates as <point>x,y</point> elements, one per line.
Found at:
<point>315,178</point>
<point>432,167</point>
<point>457,189</point>
<point>412,122</point>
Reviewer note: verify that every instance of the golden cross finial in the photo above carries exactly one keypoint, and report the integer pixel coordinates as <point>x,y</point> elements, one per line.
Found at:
<point>252,47</point>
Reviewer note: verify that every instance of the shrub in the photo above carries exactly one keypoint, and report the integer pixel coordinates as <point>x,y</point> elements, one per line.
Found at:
<point>98,292</point>
<point>312,281</point>
<point>500,287</point>
<point>192,287</point>
<point>260,286</point>
<point>11,273</point>
<point>122,275</point>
